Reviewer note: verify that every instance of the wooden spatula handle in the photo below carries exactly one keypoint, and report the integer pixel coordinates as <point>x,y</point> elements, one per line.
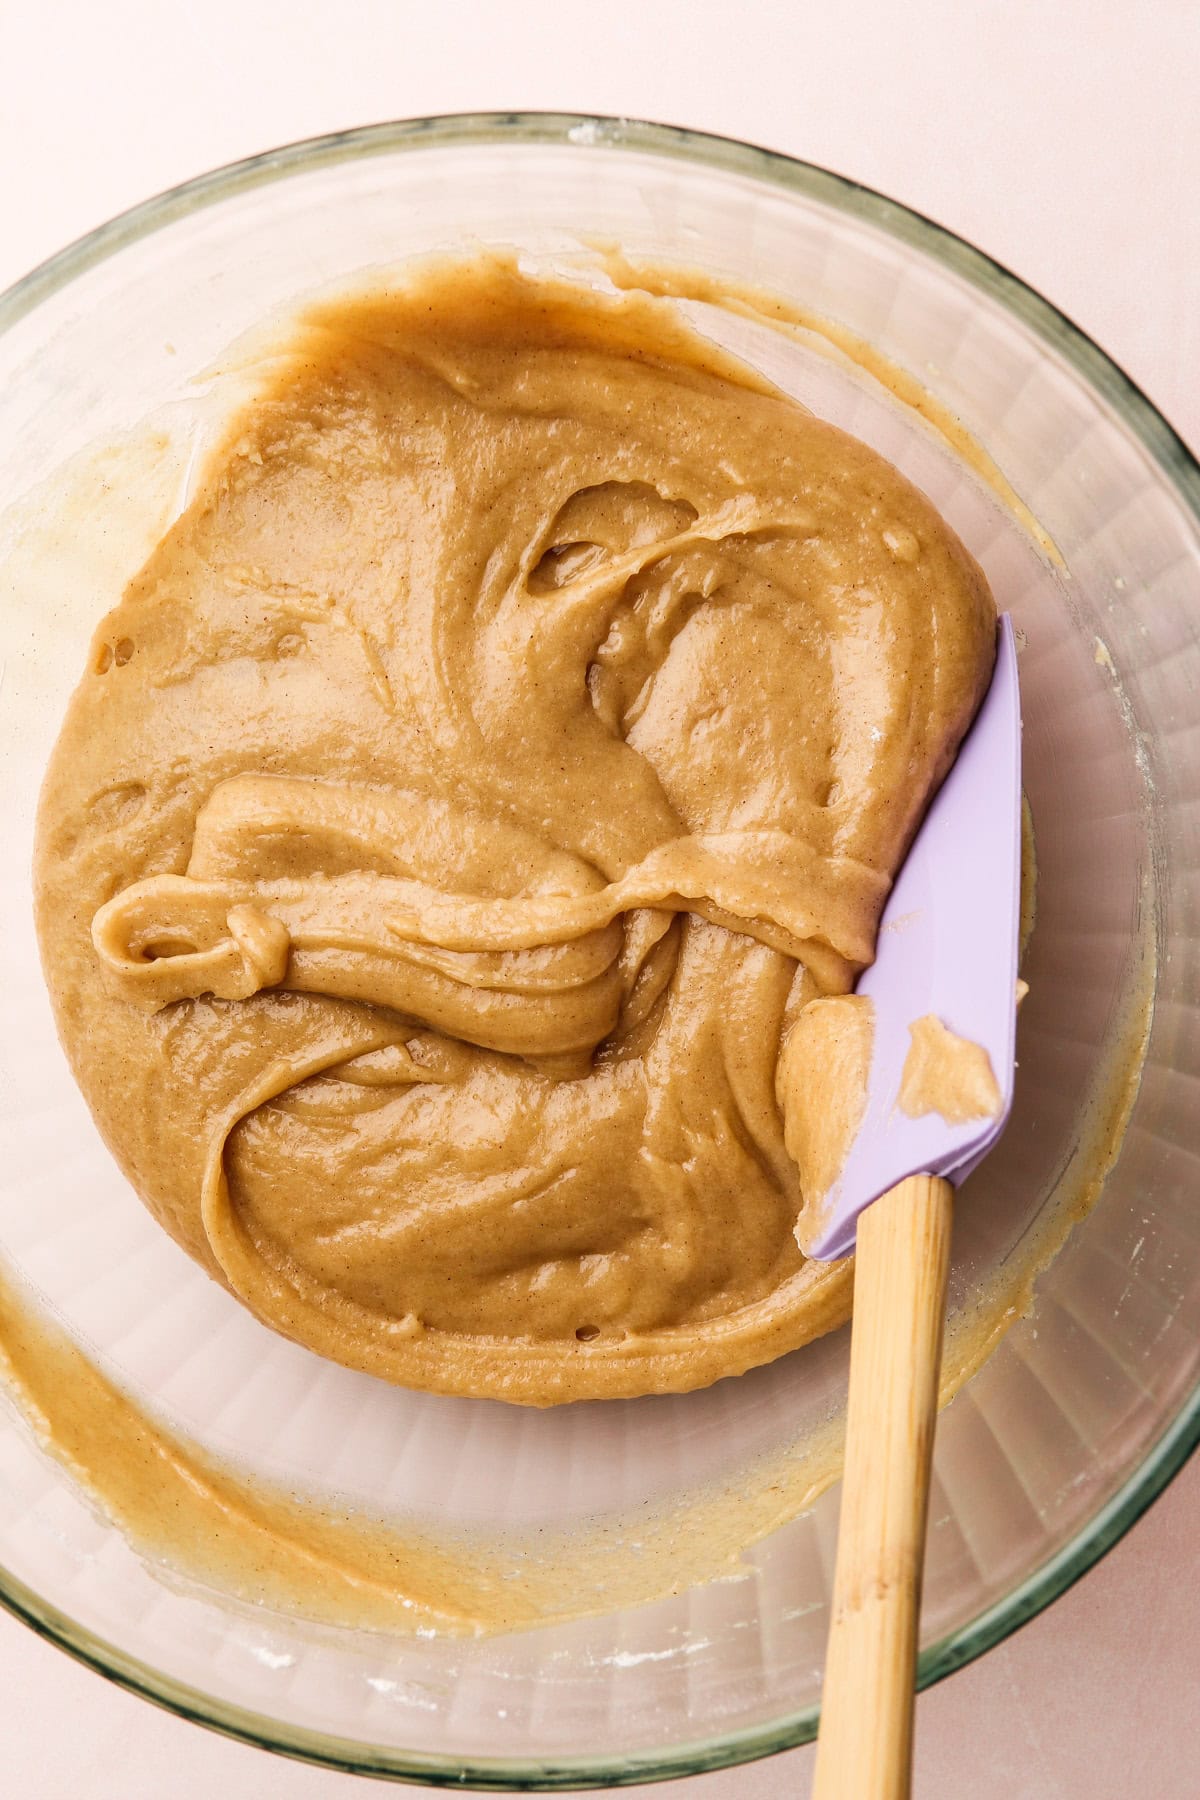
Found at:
<point>902,1263</point>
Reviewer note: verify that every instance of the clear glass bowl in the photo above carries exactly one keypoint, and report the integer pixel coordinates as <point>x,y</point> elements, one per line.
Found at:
<point>1089,1404</point>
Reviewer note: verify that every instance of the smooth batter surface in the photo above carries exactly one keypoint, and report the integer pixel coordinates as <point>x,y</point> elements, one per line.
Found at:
<point>517,731</point>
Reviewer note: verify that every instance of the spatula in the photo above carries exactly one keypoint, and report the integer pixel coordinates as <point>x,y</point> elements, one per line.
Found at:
<point>947,947</point>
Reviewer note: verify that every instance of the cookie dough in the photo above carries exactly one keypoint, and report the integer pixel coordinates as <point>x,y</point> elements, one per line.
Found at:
<point>517,731</point>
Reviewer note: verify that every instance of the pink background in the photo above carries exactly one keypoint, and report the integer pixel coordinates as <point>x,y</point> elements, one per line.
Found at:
<point>1061,135</point>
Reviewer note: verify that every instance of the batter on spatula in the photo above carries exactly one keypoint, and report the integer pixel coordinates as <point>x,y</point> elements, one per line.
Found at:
<point>520,726</point>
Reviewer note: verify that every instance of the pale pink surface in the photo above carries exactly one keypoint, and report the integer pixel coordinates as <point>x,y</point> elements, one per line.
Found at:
<point>1063,138</point>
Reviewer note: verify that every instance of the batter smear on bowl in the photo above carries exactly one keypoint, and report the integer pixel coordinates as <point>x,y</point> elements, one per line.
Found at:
<point>517,731</point>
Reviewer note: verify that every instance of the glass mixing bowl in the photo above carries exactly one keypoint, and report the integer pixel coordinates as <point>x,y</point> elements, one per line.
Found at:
<point>1090,1402</point>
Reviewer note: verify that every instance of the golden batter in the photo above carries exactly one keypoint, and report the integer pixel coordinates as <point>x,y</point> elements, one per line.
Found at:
<point>947,1074</point>
<point>518,730</point>
<point>826,1062</point>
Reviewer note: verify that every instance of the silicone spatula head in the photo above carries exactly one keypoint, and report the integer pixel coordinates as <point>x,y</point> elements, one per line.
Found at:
<point>947,949</point>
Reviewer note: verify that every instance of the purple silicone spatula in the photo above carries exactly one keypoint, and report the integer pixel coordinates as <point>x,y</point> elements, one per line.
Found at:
<point>948,946</point>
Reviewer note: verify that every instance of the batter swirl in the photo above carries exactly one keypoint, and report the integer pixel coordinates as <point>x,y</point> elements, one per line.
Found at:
<point>519,728</point>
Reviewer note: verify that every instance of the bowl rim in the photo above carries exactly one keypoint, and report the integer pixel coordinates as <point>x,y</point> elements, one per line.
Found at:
<point>1168,451</point>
